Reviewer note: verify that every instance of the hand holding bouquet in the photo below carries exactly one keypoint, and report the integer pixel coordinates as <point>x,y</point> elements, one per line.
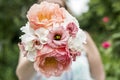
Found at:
<point>52,39</point>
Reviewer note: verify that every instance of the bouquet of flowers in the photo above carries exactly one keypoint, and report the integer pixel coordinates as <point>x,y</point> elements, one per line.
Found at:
<point>52,38</point>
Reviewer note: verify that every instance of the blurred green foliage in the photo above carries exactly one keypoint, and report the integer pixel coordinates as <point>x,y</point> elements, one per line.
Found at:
<point>13,16</point>
<point>102,21</point>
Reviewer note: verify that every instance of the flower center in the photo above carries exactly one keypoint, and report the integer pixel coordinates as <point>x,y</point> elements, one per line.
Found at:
<point>37,42</point>
<point>43,17</point>
<point>57,37</point>
<point>50,62</point>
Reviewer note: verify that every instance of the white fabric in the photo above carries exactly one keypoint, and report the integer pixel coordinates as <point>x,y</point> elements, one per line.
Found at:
<point>79,71</point>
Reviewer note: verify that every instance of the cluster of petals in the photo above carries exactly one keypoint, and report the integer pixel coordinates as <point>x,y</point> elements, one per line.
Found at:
<point>52,62</point>
<point>52,38</point>
<point>45,15</point>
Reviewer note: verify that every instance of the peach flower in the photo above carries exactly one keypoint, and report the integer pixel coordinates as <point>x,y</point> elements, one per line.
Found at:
<point>45,14</point>
<point>52,63</point>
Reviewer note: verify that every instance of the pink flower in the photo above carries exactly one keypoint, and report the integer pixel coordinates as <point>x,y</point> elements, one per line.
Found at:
<point>106,44</point>
<point>106,19</point>
<point>45,14</point>
<point>53,63</point>
<point>58,37</point>
<point>72,28</point>
<point>45,49</point>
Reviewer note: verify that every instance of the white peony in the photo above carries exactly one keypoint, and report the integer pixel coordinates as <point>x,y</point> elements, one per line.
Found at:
<point>31,55</point>
<point>42,35</point>
<point>76,44</point>
<point>69,18</point>
<point>27,29</point>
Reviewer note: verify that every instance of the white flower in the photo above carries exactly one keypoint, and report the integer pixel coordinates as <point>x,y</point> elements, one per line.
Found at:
<point>27,29</point>
<point>27,39</point>
<point>31,55</point>
<point>42,35</point>
<point>76,44</point>
<point>82,36</point>
<point>69,18</point>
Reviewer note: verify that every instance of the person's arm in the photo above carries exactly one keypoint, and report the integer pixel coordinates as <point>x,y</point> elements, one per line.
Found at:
<point>96,66</point>
<point>25,70</point>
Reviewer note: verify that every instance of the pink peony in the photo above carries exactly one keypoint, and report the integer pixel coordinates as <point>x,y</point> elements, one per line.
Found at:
<point>45,14</point>
<point>53,63</point>
<point>45,49</point>
<point>106,44</point>
<point>58,37</point>
<point>72,28</point>
<point>106,19</point>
